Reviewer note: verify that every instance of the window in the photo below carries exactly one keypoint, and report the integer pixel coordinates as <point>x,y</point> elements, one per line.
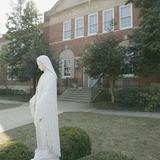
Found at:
<point>126,16</point>
<point>67,30</point>
<point>66,68</point>
<point>108,20</point>
<point>93,24</point>
<point>79,27</point>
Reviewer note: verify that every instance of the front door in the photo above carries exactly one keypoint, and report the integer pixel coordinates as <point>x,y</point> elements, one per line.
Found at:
<point>91,82</point>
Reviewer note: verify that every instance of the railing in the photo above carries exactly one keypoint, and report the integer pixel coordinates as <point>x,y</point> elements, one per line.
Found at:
<point>96,88</point>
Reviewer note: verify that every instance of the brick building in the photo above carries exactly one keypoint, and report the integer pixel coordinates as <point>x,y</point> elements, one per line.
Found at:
<point>71,24</point>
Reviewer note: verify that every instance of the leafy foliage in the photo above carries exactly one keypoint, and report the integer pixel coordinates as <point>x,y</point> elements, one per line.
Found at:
<point>146,46</point>
<point>75,143</point>
<point>26,41</point>
<point>105,56</point>
<point>143,99</point>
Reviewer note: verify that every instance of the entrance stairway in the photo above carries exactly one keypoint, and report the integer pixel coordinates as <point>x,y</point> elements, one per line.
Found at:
<point>76,95</point>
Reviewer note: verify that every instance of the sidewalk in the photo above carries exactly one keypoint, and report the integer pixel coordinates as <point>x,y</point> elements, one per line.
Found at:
<point>15,117</point>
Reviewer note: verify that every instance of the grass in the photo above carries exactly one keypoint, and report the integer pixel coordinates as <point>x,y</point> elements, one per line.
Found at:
<point>135,137</point>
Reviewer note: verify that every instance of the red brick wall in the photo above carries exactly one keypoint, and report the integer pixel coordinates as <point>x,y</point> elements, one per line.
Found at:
<point>136,17</point>
<point>100,22</point>
<point>86,25</point>
<point>78,45</point>
<point>55,32</point>
<point>116,18</point>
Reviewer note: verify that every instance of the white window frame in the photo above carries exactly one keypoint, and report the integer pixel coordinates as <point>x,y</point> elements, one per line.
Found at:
<point>120,8</point>
<point>64,30</point>
<point>90,34</point>
<point>76,26</point>
<point>63,76</point>
<point>108,10</point>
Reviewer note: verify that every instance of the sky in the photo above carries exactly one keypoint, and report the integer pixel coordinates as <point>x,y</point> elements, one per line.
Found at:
<point>5,8</point>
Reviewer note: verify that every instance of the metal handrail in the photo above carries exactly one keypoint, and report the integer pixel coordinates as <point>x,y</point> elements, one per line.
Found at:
<point>96,88</point>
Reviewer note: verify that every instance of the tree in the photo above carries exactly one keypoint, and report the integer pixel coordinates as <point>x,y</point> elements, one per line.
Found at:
<point>146,41</point>
<point>105,56</point>
<point>26,42</point>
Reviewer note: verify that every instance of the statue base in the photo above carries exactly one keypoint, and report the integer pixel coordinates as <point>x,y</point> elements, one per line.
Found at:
<point>44,155</point>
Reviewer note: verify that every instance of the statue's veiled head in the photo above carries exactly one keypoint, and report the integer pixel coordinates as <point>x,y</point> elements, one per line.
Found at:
<point>44,64</point>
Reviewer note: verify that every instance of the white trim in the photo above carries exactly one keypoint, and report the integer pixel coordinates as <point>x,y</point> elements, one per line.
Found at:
<point>112,9</point>
<point>82,17</point>
<point>90,34</point>
<point>63,30</point>
<point>121,28</point>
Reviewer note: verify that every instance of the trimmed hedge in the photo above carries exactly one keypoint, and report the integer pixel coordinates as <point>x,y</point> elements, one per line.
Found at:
<point>11,92</point>
<point>14,151</point>
<point>15,94</point>
<point>106,156</point>
<point>75,143</point>
<point>145,99</point>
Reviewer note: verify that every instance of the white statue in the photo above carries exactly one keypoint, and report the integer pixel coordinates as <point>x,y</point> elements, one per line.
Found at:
<point>43,107</point>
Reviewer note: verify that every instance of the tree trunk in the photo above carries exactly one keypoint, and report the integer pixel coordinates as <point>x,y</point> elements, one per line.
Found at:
<point>111,85</point>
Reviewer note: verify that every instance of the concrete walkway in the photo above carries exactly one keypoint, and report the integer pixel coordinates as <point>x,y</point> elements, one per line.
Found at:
<point>16,117</point>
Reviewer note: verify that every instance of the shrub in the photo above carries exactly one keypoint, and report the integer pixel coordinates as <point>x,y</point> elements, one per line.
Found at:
<point>106,156</point>
<point>145,99</point>
<point>14,151</point>
<point>20,94</point>
<point>103,96</point>
<point>75,143</point>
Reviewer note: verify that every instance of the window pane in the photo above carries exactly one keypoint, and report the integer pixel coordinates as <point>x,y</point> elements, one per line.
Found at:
<point>67,68</point>
<point>67,30</point>
<point>80,32</point>
<point>79,27</point>
<point>125,22</point>
<point>108,26</point>
<point>79,23</point>
<point>108,15</point>
<point>67,26</point>
<point>93,19</point>
<point>93,28</point>
<point>67,34</point>
<point>126,11</point>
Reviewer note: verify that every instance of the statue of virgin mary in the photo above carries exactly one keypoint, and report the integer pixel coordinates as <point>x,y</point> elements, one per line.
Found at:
<point>43,107</point>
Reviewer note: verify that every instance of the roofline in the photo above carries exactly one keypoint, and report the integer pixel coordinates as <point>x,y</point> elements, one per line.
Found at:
<point>47,13</point>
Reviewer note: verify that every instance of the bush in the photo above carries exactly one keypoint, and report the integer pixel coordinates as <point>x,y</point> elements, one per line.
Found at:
<point>20,94</point>
<point>106,156</point>
<point>75,143</point>
<point>145,99</point>
<point>103,96</point>
<point>14,151</point>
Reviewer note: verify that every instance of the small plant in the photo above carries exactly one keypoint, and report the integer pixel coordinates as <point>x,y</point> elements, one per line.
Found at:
<point>75,143</point>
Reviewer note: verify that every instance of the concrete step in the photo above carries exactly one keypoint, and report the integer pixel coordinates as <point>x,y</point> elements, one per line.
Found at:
<point>74,100</point>
<point>76,95</point>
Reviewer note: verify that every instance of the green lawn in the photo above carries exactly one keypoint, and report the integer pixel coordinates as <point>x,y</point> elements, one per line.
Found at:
<point>135,137</point>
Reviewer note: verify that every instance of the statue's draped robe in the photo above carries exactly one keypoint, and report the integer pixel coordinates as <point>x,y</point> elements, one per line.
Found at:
<point>43,107</point>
